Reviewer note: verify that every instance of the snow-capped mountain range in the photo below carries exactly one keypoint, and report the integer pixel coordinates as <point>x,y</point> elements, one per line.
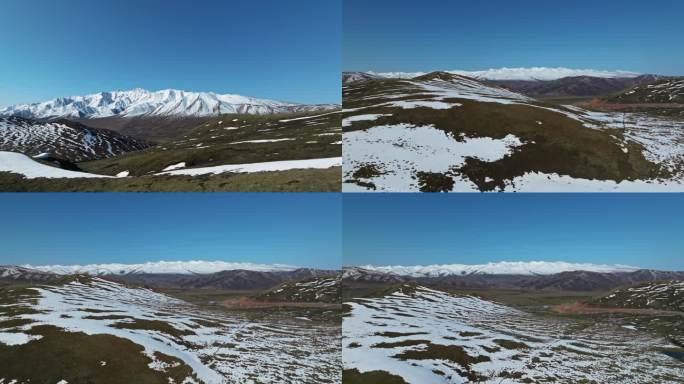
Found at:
<point>169,102</point>
<point>499,268</point>
<point>163,267</point>
<point>533,73</point>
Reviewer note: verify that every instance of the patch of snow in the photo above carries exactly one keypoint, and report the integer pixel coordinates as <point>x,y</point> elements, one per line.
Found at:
<point>271,166</point>
<point>173,167</point>
<point>262,141</point>
<point>346,122</point>
<point>24,165</point>
<point>542,182</point>
<point>309,117</point>
<point>123,174</point>
<point>404,149</point>
<point>411,104</point>
<point>17,338</point>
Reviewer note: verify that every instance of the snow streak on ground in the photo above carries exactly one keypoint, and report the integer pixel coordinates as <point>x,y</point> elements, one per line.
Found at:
<point>218,346</point>
<point>31,169</point>
<point>348,121</point>
<point>428,336</point>
<point>23,165</point>
<point>271,166</point>
<point>402,150</point>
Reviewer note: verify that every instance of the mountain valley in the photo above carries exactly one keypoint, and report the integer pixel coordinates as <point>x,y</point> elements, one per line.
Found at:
<point>178,141</point>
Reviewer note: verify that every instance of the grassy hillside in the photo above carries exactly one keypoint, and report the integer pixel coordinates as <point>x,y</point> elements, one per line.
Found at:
<point>234,139</point>
<point>552,141</point>
<point>224,140</point>
<point>296,180</point>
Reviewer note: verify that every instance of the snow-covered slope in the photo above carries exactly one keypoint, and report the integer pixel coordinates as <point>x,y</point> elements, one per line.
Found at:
<point>533,73</point>
<point>65,140</point>
<point>140,102</point>
<point>664,295</point>
<point>499,268</point>
<point>216,346</point>
<point>663,91</point>
<point>326,289</point>
<point>182,267</point>
<point>31,169</point>
<point>427,336</point>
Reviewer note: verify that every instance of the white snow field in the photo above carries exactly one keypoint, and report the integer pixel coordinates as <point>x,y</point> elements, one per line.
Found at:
<point>168,102</point>
<point>31,169</point>
<point>220,347</point>
<point>400,150</point>
<point>428,336</point>
<point>403,149</point>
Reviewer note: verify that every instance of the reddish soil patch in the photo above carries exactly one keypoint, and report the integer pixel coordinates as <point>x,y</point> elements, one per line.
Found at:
<point>578,308</point>
<point>250,303</point>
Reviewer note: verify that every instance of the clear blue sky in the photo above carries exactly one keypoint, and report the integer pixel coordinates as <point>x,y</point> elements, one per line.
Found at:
<point>284,50</point>
<point>409,35</point>
<point>419,229</point>
<point>302,229</point>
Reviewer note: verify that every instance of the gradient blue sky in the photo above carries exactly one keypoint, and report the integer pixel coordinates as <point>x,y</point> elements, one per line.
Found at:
<point>302,229</point>
<point>408,35</point>
<point>417,229</point>
<point>285,50</point>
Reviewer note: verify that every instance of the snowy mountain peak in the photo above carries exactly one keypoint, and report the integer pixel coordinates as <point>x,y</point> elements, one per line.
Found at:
<point>166,267</point>
<point>533,73</point>
<point>499,268</point>
<point>167,102</point>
